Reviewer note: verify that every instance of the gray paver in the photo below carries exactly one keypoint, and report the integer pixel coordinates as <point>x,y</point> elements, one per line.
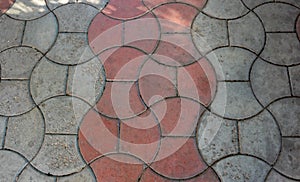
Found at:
<point>59,155</point>
<point>87,81</point>
<point>70,20</point>
<point>209,33</point>
<point>263,78</point>
<point>100,4</point>
<point>28,9</point>
<point>29,174</point>
<point>44,83</point>
<point>247,32</point>
<point>63,114</point>
<point>253,3</point>
<point>293,2</point>
<point>260,136</point>
<point>226,9</point>
<point>241,169</point>
<point>237,100</point>
<point>10,32</point>
<point>289,159</point>
<point>287,114</point>
<point>274,176</point>
<point>85,175</point>
<point>234,62</point>
<point>282,48</point>
<point>18,62</point>
<point>217,137</point>
<point>11,164</point>
<point>25,133</point>
<point>70,49</point>
<point>52,4</point>
<point>278,16</point>
<point>41,33</point>
<point>14,98</point>
<point>295,79</point>
<point>2,129</point>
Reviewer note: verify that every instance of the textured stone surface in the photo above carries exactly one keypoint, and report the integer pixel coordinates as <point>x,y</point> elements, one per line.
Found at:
<point>71,21</point>
<point>253,3</point>
<point>29,174</point>
<point>295,79</point>
<point>274,176</point>
<point>247,32</point>
<point>63,114</point>
<point>263,77</point>
<point>11,164</point>
<point>58,156</point>
<point>41,33</point>
<point>70,49</point>
<point>288,161</point>
<point>10,32</point>
<point>85,175</point>
<point>260,136</point>
<point>235,100</point>
<point>44,84</point>
<point>209,33</point>
<point>14,98</point>
<point>241,168</point>
<point>25,133</point>
<point>18,62</point>
<point>217,137</point>
<point>282,49</point>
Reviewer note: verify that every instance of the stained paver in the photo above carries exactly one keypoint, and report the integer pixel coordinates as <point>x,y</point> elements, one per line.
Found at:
<point>149,90</point>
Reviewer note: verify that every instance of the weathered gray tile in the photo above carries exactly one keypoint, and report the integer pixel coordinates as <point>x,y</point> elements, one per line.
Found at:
<point>217,137</point>
<point>87,81</point>
<point>84,175</point>
<point>59,156</point>
<point>10,32</point>
<point>63,114</point>
<point>44,83</point>
<point>278,16</point>
<point>260,136</point>
<point>2,129</point>
<point>14,98</point>
<point>253,3</point>
<point>234,63</point>
<point>295,79</point>
<point>247,32</point>
<point>282,48</point>
<point>11,164</point>
<point>241,169</point>
<point>275,176</point>
<point>287,113</point>
<point>269,82</point>
<point>70,49</point>
<point>29,174</point>
<point>18,62</point>
<point>41,33</point>
<point>209,33</point>
<point>289,159</point>
<point>70,20</point>
<point>235,100</point>
<point>28,9</point>
<point>25,133</point>
<point>226,9</point>
<point>293,2</point>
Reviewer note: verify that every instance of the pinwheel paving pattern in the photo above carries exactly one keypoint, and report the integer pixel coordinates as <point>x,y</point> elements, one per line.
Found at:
<point>150,90</point>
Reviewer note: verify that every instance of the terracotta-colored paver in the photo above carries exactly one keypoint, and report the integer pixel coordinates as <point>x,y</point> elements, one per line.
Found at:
<point>5,4</point>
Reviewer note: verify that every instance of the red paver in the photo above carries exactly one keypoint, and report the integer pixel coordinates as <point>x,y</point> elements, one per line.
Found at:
<point>120,10</point>
<point>298,27</point>
<point>122,63</point>
<point>117,167</point>
<point>197,81</point>
<point>175,17</point>
<point>140,136</point>
<point>153,3</point>
<point>97,135</point>
<point>176,50</point>
<point>120,100</point>
<point>5,5</point>
<point>177,116</point>
<point>197,3</point>
<point>101,31</point>
<point>178,158</point>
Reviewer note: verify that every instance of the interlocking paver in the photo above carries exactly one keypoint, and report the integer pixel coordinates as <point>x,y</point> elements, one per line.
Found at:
<point>287,113</point>
<point>217,137</point>
<point>30,174</point>
<point>253,3</point>
<point>275,176</point>
<point>262,82</point>
<point>288,161</point>
<point>19,136</point>
<point>5,5</point>
<point>85,175</point>
<point>295,79</point>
